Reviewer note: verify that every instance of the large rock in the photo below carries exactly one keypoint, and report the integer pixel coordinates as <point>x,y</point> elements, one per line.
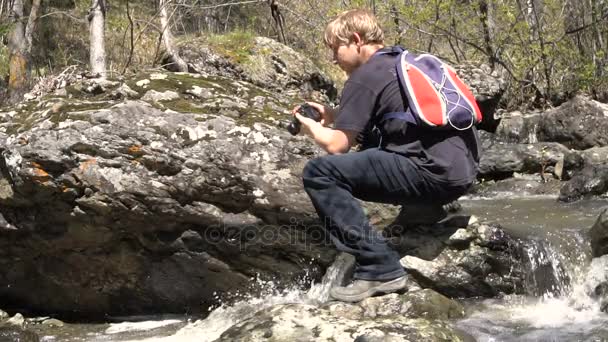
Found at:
<point>343,322</point>
<point>591,181</point>
<point>266,63</point>
<point>500,160</point>
<point>462,260</point>
<point>580,123</point>
<point>488,86</point>
<point>157,206</point>
<point>598,234</point>
<point>519,128</point>
<point>155,210</point>
<point>16,334</point>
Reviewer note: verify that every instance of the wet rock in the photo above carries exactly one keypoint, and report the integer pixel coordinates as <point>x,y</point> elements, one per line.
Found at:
<point>17,320</point>
<point>300,322</point>
<point>520,184</point>
<point>108,201</point>
<point>485,261</point>
<point>596,281</point>
<point>155,210</point>
<point>13,334</point>
<point>52,322</point>
<point>598,235</point>
<point>426,304</point>
<point>591,181</point>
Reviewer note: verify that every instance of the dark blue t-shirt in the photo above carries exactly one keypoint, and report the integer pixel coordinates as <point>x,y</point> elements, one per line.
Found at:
<point>372,90</point>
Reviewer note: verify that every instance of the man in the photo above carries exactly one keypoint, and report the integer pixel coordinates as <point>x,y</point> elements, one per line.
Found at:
<point>422,166</point>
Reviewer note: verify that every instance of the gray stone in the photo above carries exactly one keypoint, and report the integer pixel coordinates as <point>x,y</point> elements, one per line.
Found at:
<point>580,123</point>
<point>155,96</point>
<point>300,322</point>
<point>598,235</point>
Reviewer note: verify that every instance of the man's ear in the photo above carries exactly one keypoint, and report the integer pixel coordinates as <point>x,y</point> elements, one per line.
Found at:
<point>357,39</point>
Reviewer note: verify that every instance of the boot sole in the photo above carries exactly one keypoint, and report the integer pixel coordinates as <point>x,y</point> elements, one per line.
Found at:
<point>384,288</point>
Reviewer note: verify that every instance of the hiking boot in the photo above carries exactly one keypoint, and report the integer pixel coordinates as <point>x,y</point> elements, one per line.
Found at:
<point>360,289</point>
<point>421,215</point>
<point>412,215</point>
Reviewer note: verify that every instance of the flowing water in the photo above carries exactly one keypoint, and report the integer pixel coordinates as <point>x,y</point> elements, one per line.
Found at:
<point>562,277</point>
<point>558,306</point>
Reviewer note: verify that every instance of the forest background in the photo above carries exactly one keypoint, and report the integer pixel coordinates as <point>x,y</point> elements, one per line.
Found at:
<point>547,51</point>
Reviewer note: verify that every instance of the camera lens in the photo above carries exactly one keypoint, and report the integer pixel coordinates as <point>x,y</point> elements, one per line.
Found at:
<point>294,127</point>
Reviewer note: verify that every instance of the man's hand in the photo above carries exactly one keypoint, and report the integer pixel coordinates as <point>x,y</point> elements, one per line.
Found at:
<point>334,141</point>
<point>328,114</point>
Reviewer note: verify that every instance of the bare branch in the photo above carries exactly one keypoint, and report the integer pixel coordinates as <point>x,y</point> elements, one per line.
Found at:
<point>80,20</point>
<point>221,5</point>
<point>132,42</point>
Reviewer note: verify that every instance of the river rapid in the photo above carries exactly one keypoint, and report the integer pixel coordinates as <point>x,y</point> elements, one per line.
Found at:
<point>558,310</point>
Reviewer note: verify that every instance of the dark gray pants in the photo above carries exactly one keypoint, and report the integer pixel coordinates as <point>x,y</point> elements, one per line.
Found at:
<point>334,182</point>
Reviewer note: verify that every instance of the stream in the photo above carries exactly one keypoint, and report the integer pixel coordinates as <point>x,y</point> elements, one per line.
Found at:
<point>557,310</point>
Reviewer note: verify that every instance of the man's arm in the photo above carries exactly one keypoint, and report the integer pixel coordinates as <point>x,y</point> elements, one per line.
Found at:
<point>334,141</point>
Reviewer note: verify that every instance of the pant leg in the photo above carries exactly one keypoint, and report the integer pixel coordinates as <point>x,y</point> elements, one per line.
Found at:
<point>333,184</point>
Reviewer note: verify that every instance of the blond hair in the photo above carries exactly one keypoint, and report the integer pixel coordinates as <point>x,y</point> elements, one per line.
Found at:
<point>346,24</point>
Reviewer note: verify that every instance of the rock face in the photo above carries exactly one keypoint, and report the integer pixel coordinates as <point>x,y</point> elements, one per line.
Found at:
<point>268,64</point>
<point>130,208</point>
<point>388,318</point>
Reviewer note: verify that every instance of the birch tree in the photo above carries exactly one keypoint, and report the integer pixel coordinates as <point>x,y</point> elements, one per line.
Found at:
<point>20,47</point>
<point>97,50</point>
<point>177,63</point>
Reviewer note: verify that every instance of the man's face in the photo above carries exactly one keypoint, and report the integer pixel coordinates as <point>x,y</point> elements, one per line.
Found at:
<point>346,56</point>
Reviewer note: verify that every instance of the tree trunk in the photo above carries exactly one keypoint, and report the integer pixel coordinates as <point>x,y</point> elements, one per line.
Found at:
<point>598,41</point>
<point>96,17</point>
<point>176,62</point>
<point>19,69</point>
<point>31,25</point>
<point>487,24</point>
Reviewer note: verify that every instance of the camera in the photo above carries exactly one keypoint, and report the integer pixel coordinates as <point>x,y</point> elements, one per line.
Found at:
<point>305,110</point>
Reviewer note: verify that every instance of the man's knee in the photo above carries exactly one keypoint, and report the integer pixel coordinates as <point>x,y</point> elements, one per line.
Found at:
<point>314,168</point>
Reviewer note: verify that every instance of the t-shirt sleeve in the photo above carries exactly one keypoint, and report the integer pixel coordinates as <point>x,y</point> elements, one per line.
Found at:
<point>356,107</point>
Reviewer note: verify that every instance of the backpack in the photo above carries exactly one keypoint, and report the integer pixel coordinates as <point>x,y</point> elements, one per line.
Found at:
<point>436,96</point>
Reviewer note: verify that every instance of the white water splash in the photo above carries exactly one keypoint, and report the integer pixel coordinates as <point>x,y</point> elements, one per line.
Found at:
<point>225,316</point>
<point>567,311</point>
<point>117,328</point>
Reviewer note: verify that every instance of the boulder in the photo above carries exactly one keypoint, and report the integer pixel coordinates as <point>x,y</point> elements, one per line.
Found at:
<point>580,123</point>
<point>501,160</point>
<point>518,128</point>
<point>16,334</point>
<point>598,235</point>
<point>488,86</point>
<point>478,259</point>
<point>266,63</point>
<point>590,181</point>
<point>340,322</point>
<point>155,209</point>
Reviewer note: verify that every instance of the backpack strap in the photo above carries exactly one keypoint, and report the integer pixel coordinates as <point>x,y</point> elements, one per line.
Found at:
<point>405,116</point>
<point>393,50</point>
